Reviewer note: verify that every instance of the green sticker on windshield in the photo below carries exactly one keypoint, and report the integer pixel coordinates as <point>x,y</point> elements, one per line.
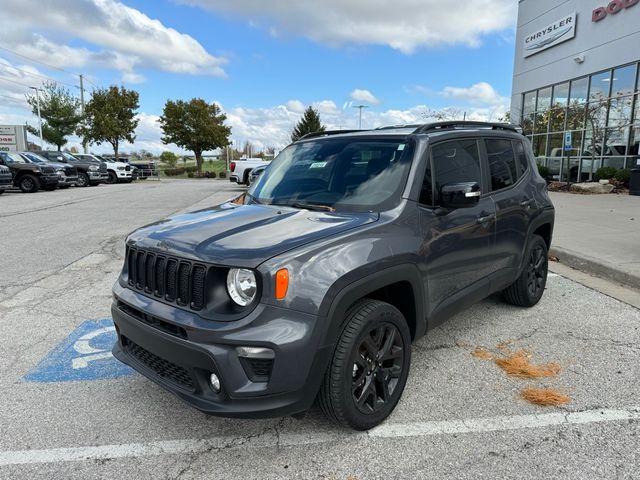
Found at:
<point>318,165</point>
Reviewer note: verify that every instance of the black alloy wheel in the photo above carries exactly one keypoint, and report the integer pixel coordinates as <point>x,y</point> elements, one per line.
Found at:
<point>29,184</point>
<point>113,178</point>
<point>377,366</point>
<point>528,289</point>
<point>368,371</point>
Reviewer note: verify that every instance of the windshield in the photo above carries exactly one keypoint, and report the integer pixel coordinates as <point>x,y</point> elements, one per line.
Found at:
<point>344,174</point>
<point>68,157</point>
<point>34,157</point>
<point>12,157</point>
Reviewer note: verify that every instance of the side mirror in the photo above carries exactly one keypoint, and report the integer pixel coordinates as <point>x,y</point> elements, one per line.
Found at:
<point>460,195</point>
<point>61,159</point>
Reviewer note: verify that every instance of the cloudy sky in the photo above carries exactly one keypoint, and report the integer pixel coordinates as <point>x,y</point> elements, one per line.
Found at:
<point>264,62</point>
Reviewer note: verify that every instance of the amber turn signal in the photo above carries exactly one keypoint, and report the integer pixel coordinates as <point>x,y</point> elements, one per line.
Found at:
<point>282,283</point>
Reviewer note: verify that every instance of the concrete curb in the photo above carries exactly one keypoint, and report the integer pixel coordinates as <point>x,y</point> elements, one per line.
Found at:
<point>595,266</point>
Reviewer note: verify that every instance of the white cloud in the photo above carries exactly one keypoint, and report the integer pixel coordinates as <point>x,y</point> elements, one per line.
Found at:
<point>478,94</point>
<point>126,38</point>
<point>365,96</point>
<point>295,106</point>
<point>404,25</point>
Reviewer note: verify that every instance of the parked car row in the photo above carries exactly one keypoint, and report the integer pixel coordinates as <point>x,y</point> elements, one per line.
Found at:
<point>48,170</point>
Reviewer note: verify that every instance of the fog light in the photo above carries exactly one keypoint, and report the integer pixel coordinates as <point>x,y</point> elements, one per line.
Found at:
<point>255,352</point>
<point>215,382</point>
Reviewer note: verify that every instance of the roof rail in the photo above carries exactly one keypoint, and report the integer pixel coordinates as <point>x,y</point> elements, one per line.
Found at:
<point>430,127</point>
<point>393,127</point>
<point>326,133</point>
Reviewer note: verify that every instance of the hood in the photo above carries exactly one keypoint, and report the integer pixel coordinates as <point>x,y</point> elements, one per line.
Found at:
<point>242,235</point>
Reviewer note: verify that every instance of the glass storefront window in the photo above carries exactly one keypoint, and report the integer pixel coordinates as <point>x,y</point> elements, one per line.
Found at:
<point>527,124</point>
<point>575,116</point>
<point>544,99</point>
<point>529,105</point>
<point>539,143</point>
<point>560,95</point>
<point>636,115</point>
<point>541,123</point>
<point>634,144</point>
<point>579,89</point>
<point>599,88</point>
<point>620,112</point>
<point>624,79</point>
<point>616,141</point>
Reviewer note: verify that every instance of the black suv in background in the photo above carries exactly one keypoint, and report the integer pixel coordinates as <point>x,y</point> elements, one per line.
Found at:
<point>6,180</point>
<point>90,173</point>
<point>27,176</point>
<point>67,174</point>
<point>314,283</point>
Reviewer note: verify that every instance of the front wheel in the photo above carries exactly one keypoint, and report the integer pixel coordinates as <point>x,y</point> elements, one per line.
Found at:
<point>83,179</point>
<point>527,290</point>
<point>29,184</point>
<point>369,368</point>
<point>113,178</point>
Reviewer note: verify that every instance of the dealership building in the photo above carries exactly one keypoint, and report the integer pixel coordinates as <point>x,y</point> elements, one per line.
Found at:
<point>576,83</point>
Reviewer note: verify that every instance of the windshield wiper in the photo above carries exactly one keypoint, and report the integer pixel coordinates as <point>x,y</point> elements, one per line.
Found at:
<point>312,206</point>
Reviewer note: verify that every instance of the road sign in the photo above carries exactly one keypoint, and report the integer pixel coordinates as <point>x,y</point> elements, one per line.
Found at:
<point>84,355</point>
<point>568,142</point>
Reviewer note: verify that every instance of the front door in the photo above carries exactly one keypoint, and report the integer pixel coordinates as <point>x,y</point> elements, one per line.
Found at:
<point>456,243</point>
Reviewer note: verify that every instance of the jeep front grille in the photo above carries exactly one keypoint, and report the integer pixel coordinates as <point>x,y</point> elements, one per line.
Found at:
<point>173,279</point>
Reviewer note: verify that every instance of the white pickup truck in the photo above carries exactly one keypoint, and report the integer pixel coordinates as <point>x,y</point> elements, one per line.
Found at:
<point>241,169</point>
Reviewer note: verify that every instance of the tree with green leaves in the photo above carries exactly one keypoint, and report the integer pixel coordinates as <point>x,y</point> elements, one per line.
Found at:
<point>169,158</point>
<point>110,116</point>
<point>309,123</point>
<point>195,125</point>
<point>60,112</point>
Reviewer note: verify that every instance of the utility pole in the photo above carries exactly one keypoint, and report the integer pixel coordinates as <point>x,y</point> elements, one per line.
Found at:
<point>360,107</point>
<point>39,116</point>
<point>84,144</point>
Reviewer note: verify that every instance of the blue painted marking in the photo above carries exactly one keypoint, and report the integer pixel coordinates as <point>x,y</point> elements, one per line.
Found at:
<point>83,355</point>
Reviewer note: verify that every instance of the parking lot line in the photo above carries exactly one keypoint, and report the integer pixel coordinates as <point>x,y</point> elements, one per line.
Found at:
<point>273,439</point>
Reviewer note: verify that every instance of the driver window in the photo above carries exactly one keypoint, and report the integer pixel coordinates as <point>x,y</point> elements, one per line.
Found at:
<point>456,161</point>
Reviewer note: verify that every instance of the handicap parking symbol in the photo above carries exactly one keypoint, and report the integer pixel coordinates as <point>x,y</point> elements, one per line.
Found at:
<point>84,355</point>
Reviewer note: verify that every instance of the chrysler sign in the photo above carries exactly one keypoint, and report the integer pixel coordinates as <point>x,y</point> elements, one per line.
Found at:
<point>560,31</point>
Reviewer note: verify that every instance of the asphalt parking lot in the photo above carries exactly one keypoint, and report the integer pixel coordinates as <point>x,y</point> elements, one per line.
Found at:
<point>69,410</point>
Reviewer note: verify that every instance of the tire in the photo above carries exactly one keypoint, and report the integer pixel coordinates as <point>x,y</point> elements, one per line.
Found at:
<point>29,184</point>
<point>1,191</point>
<point>528,289</point>
<point>113,178</point>
<point>370,326</point>
<point>83,179</point>
<point>246,178</point>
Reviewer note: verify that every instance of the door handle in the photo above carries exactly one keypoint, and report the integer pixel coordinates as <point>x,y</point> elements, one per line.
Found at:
<point>485,218</point>
<point>527,203</point>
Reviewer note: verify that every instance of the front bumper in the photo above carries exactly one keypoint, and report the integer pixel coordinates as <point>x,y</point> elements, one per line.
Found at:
<point>63,181</point>
<point>5,182</point>
<point>97,177</point>
<point>179,350</point>
<point>123,175</point>
<point>46,180</point>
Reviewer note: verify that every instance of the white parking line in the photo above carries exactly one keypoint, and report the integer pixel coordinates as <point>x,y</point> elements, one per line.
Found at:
<point>271,439</point>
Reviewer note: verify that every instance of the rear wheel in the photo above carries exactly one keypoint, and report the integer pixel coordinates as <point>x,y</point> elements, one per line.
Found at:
<point>527,290</point>
<point>113,178</point>
<point>369,368</point>
<point>83,179</point>
<point>29,184</point>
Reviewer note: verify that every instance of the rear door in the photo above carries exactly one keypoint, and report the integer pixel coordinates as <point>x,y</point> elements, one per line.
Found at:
<point>456,243</point>
<point>508,170</point>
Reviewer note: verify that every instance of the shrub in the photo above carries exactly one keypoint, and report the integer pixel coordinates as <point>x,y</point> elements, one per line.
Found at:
<point>623,176</point>
<point>191,174</point>
<point>544,172</point>
<point>605,173</point>
<point>223,175</point>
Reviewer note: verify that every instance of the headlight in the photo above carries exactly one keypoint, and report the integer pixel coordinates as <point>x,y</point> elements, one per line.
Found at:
<point>94,168</point>
<point>241,285</point>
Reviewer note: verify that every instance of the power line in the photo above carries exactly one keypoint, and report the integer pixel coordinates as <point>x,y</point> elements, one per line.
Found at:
<point>36,75</point>
<point>37,61</point>
<point>13,81</point>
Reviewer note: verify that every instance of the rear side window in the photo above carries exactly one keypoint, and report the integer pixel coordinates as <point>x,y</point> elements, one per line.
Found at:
<point>521,155</point>
<point>457,161</point>
<point>502,163</point>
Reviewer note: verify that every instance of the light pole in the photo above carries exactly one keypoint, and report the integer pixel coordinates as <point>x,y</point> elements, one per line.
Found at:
<point>39,116</point>
<point>360,107</point>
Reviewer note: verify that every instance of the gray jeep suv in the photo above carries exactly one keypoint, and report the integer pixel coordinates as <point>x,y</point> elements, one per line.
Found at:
<point>314,283</point>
